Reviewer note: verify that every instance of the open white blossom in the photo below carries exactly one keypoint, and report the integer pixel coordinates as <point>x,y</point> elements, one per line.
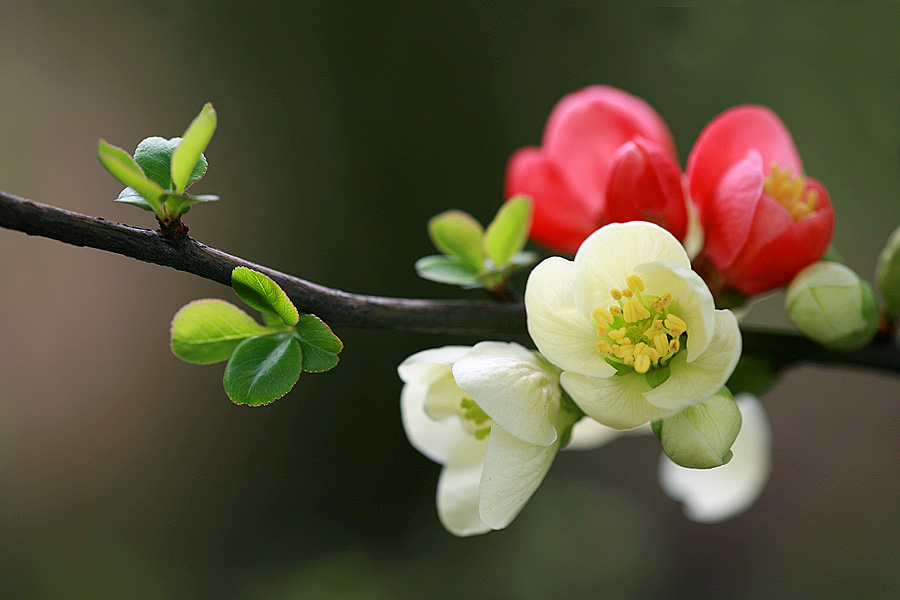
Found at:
<point>633,328</point>
<point>493,415</point>
<point>714,495</point>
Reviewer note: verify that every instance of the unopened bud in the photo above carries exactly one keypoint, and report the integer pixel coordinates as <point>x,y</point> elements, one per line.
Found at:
<point>829,303</point>
<point>887,273</point>
<point>700,436</point>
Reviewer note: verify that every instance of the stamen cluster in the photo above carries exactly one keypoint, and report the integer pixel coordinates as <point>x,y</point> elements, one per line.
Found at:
<point>791,192</point>
<point>639,330</point>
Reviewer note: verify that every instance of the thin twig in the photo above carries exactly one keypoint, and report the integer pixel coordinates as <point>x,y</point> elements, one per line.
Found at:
<point>342,309</point>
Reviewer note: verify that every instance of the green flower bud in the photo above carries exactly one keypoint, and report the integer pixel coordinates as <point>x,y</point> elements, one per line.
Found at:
<point>700,436</point>
<point>831,305</point>
<point>888,273</point>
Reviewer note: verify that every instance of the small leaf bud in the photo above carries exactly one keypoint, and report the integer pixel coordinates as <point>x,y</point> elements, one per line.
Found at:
<point>829,303</point>
<point>700,436</point>
<point>887,274</point>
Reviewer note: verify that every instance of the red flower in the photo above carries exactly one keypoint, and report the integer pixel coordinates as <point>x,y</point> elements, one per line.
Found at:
<point>764,221</point>
<point>607,156</point>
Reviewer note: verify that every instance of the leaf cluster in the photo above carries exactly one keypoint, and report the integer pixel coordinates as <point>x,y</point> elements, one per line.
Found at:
<point>476,257</point>
<point>264,361</point>
<point>161,170</point>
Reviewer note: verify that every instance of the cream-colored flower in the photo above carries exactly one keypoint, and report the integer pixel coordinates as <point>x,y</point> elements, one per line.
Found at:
<point>631,326</point>
<point>494,416</point>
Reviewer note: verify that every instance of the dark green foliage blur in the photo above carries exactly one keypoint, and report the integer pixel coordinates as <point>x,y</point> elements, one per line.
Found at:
<point>343,127</point>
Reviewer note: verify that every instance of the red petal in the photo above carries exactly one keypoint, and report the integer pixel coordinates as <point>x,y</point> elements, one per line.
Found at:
<point>561,220</point>
<point>771,263</point>
<point>729,216</point>
<point>728,137</point>
<point>586,128</point>
<point>644,184</point>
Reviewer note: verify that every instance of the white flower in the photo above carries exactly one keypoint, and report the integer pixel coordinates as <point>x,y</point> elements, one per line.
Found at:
<point>714,495</point>
<point>632,327</point>
<point>494,416</point>
<point>709,495</point>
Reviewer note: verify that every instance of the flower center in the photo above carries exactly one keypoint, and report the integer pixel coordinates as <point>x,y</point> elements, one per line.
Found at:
<point>639,330</point>
<point>474,419</point>
<point>791,192</point>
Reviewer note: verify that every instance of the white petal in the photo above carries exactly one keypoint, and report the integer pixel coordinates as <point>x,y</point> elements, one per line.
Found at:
<point>435,439</point>
<point>429,365</point>
<point>693,382</point>
<point>617,401</point>
<point>457,499</point>
<point>588,434</point>
<point>609,255</point>
<point>513,470</point>
<point>714,495</point>
<point>563,335</point>
<point>691,300</point>
<point>518,395</point>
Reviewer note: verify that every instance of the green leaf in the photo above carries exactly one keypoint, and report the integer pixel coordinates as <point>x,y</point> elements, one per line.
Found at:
<point>458,234</point>
<point>446,269</point>
<point>178,204</point>
<point>130,196</point>
<point>154,155</point>
<point>187,154</point>
<point>208,331</point>
<point>127,170</point>
<point>263,294</point>
<point>319,344</point>
<point>263,369</point>
<point>508,232</point>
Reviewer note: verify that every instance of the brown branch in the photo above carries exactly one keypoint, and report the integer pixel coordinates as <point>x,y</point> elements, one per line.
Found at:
<point>335,307</point>
<point>340,308</point>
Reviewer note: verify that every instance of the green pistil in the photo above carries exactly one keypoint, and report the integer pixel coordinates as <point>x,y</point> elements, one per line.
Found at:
<point>473,413</point>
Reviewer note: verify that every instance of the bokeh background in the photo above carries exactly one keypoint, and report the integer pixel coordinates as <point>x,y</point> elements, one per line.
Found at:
<point>343,127</point>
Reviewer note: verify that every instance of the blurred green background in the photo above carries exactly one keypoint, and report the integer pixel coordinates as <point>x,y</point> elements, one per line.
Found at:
<point>343,126</point>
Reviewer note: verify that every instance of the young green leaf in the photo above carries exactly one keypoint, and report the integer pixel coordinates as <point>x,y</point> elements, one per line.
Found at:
<point>196,138</point>
<point>263,294</point>
<point>130,196</point>
<point>446,269</point>
<point>319,344</point>
<point>208,331</point>
<point>456,233</point>
<point>154,155</point>
<point>508,232</point>
<point>125,169</point>
<point>179,204</point>
<point>263,369</point>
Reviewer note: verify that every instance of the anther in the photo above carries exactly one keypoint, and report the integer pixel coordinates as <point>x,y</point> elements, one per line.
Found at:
<point>635,283</point>
<point>675,325</point>
<point>642,363</point>
<point>602,316</point>
<point>616,294</point>
<point>604,347</point>
<point>627,293</point>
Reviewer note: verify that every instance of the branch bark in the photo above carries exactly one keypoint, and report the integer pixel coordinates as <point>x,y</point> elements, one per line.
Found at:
<point>343,309</point>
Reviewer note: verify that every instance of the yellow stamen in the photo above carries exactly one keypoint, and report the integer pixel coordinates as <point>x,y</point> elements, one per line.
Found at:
<point>635,283</point>
<point>615,311</point>
<point>657,305</point>
<point>666,299</point>
<point>627,293</point>
<point>604,347</point>
<point>676,325</point>
<point>624,351</point>
<point>674,345</point>
<point>653,354</point>
<point>640,348</point>
<point>602,316</point>
<point>791,192</point>
<point>617,334</point>
<point>616,294</point>
<point>629,360</point>
<point>661,343</point>
<point>642,363</point>
<point>601,331</point>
